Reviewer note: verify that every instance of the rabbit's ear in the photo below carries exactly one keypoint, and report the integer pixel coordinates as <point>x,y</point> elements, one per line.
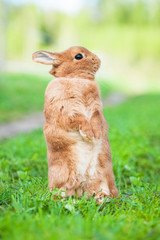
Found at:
<point>45,57</point>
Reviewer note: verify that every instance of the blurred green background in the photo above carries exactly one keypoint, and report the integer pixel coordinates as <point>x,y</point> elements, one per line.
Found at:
<point>124,33</point>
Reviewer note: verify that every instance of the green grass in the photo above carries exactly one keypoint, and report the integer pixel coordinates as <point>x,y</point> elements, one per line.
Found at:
<point>21,94</point>
<point>24,94</point>
<point>28,212</point>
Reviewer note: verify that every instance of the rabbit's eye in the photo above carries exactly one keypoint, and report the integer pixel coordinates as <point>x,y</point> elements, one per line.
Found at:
<point>78,56</point>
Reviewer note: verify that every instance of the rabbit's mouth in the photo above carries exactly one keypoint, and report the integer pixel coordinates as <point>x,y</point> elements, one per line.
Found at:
<point>87,72</point>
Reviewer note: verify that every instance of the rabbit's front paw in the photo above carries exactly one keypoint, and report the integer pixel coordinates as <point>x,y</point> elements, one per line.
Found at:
<point>97,133</point>
<point>86,132</point>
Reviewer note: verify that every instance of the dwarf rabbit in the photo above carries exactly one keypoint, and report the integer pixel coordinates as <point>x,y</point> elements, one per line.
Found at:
<point>78,149</point>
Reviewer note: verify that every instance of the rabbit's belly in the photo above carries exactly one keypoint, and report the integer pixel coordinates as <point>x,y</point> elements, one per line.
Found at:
<point>87,156</point>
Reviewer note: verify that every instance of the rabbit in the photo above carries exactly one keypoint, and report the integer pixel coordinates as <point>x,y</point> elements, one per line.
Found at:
<point>78,150</point>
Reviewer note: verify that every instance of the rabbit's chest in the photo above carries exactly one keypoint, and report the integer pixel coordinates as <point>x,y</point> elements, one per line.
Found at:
<point>78,104</point>
<point>87,111</point>
<point>76,96</point>
<point>68,106</point>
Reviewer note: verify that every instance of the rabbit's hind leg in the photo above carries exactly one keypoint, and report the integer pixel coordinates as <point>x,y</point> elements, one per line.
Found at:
<point>96,186</point>
<point>100,197</point>
<point>58,175</point>
<point>108,176</point>
<point>62,173</point>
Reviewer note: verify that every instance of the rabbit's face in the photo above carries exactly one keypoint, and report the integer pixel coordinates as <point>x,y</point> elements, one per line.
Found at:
<point>74,62</point>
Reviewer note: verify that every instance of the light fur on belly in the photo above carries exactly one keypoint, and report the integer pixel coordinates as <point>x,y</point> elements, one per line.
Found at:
<point>87,156</point>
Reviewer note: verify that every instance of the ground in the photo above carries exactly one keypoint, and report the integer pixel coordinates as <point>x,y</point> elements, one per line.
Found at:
<point>27,208</point>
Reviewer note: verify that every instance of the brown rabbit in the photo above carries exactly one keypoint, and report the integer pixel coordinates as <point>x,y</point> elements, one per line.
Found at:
<point>78,149</point>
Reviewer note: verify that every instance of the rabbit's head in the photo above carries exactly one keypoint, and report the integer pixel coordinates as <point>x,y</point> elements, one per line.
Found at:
<point>74,62</point>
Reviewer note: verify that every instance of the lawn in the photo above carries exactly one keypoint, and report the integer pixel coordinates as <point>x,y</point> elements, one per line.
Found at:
<point>28,212</point>
<point>21,94</point>
<point>24,94</point>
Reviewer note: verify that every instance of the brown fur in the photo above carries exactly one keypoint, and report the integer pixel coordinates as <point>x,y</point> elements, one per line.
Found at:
<point>73,113</point>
